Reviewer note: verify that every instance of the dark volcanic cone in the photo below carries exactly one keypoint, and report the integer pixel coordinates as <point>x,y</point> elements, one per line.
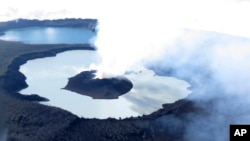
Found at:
<point>85,83</point>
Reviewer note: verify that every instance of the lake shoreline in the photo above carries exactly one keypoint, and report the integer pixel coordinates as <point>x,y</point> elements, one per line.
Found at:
<point>13,75</point>
<point>13,80</point>
<point>142,127</point>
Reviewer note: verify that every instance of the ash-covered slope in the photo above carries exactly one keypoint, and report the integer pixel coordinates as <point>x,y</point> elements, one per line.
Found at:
<point>85,83</point>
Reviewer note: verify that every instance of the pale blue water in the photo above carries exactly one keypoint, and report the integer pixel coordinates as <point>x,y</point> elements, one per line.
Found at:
<point>50,35</point>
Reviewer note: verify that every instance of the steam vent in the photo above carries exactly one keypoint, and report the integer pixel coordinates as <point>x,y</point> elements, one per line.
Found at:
<point>85,83</point>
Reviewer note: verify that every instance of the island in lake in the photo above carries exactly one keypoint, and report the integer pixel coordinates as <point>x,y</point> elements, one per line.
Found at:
<point>106,88</point>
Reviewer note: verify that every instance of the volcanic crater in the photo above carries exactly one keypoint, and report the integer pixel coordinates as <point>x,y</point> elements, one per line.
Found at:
<point>87,84</point>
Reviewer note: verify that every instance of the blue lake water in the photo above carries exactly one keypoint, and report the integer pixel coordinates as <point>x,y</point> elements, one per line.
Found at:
<point>50,35</point>
<point>47,76</point>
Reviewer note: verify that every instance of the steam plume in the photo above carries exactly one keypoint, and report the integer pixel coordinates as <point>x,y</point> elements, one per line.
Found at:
<point>154,33</point>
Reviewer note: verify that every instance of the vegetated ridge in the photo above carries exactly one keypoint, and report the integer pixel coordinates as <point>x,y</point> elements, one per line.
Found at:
<point>27,120</point>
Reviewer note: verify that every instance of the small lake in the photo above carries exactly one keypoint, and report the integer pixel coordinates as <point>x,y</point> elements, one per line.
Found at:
<point>50,35</point>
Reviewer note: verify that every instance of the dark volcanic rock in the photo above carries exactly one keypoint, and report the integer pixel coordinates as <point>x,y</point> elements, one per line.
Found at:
<point>108,88</point>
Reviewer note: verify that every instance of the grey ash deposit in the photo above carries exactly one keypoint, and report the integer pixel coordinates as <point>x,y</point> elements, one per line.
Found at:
<point>85,83</point>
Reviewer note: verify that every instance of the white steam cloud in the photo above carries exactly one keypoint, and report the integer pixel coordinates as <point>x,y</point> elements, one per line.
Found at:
<point>217,67</point>
<point>161,35</point>
<point>133,32</point>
